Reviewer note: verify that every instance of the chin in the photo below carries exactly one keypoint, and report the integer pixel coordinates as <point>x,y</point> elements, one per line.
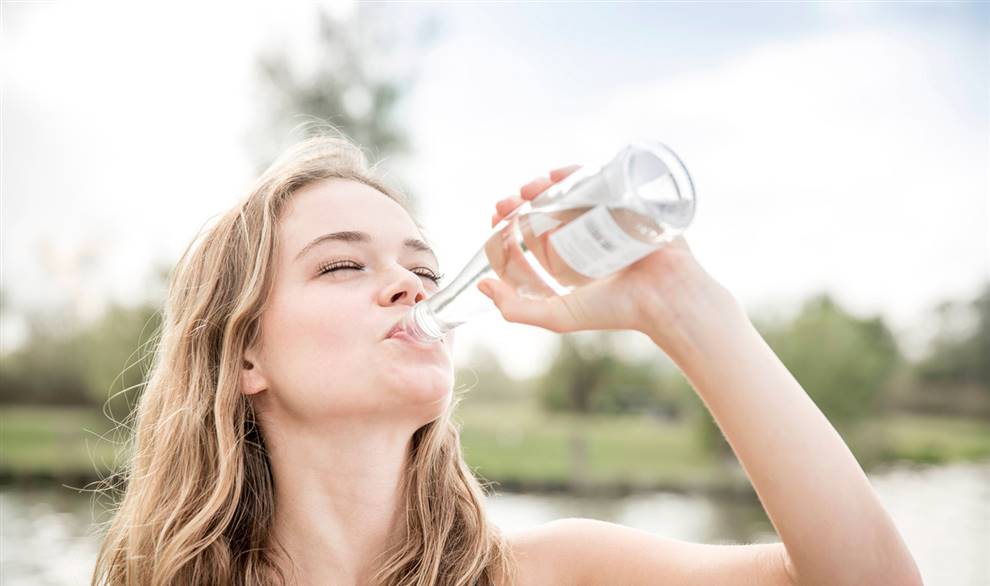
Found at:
<point>426,411</point>
<point>429,392</point>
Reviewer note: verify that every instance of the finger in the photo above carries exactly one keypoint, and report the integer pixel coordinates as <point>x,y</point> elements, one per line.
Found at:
<point>529,191</point>
<point>535,187</point>
<point>508,204</point>
<point>549,313</point>
<point>558,174</point>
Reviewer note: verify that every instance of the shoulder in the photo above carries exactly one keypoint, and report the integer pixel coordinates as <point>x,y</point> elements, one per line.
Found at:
<point>587,551</point>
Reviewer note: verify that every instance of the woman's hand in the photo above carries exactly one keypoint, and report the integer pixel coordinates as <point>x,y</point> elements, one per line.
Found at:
<point>658,294</point>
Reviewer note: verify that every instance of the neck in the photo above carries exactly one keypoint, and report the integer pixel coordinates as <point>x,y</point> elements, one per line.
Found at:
<point>338,496</point>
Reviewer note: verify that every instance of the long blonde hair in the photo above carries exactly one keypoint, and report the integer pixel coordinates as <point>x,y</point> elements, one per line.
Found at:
<point>197,494</point>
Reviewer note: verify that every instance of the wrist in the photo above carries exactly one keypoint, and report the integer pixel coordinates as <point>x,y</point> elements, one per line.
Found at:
<point>689,313</point>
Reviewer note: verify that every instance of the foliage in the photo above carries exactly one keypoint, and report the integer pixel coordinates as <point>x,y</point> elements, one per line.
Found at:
<point>483,380</point>
<point>47,369</point>
<point>844,362</point>
<point>360,69</point>
<point>960,357</point>
<point>589,376</point>
<point>88,365</point>
<point>508,443</point>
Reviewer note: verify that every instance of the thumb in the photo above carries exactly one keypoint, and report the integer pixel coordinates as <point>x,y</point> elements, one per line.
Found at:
<point>549,313</point>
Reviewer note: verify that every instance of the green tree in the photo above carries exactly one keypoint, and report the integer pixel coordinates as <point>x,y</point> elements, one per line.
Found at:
<point>484,380</point>
<point>117,352</point>
<point>960,355</point>
<point>81,367</point>
<point>47,368</point>
<point>101,363</point>
<point>572,377</point>
<point>844,362</point>
<point>589,376</point>
<point>362,66</point>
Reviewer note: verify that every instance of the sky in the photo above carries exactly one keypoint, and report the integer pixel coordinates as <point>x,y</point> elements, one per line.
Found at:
<point>840,147</point>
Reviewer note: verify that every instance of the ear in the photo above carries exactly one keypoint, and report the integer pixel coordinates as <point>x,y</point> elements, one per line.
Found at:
<point>253,379</point>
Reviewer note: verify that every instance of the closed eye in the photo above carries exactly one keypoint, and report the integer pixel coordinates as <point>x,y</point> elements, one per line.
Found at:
<point>347,265</point>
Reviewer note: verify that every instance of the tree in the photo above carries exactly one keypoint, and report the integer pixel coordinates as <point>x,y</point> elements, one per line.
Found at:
<point>46,369</point>
<point>845,363</point>
<point>960,355</point>
<point>117,354</point>
<point>88,364</point>
<point>842,361</point>
<point>81,367</point>
<point>589,376</point>
<point>484,379</point>
<point>363,66</point>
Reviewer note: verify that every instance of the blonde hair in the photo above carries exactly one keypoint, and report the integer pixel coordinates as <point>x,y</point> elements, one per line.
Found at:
<point>197,499</point>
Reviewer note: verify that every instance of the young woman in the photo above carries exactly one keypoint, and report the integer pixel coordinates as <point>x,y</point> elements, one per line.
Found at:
<point>284,438</point>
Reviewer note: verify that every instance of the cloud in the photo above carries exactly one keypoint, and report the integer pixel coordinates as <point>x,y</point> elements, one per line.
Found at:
<point>849,161</point>
<point>853,161</point>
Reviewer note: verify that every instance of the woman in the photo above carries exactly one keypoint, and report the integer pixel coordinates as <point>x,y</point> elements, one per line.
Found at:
<point>284,438</point>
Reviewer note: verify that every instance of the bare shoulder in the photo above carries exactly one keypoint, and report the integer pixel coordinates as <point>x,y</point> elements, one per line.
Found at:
<point>586,551</point>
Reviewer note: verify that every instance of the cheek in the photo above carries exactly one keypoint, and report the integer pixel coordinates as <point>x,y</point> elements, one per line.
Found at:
<point>319,353</point>
<point>327,359</point>
<point>324,330</point>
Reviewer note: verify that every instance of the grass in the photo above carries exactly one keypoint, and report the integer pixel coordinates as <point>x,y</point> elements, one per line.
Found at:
<point>54,441</point>
<point>510,443</point>
<point>520,444</point>
<point>934,439</point>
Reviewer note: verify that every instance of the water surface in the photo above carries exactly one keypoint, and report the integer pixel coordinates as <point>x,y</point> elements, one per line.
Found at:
<point>47,537</point>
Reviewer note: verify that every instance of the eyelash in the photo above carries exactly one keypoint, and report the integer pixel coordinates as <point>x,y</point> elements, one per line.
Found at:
<point>336,266</point>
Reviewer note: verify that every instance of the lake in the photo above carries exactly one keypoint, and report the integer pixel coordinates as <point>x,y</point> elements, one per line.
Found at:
<point>942,511</point>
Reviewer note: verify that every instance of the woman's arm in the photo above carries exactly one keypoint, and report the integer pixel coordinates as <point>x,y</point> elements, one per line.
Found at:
<point>834,529</point>
<point>833,526</point>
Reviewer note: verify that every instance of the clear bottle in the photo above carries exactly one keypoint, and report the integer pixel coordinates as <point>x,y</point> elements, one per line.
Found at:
<point>593,223</point>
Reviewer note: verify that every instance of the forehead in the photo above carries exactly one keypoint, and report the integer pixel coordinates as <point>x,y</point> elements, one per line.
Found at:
<point>334,205</point>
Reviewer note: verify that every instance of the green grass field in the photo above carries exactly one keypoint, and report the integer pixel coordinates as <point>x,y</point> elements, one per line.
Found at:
<point>936,439</point>
<point>520,445</point>
<point>59,442</point>
<point>507,443</point>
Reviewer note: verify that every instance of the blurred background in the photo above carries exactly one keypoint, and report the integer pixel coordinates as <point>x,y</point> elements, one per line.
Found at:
<point>840,153</point>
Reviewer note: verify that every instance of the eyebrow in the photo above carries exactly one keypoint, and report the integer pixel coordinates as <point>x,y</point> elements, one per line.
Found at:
<point>362,238</point>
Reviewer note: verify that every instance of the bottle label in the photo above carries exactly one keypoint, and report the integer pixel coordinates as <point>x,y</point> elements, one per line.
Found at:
<point>596,246</point>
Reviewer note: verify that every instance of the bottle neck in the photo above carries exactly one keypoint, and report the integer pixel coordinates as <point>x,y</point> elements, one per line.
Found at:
<point>422,324</point>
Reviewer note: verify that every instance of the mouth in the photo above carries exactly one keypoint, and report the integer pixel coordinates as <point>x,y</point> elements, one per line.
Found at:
<point>398,334</point>
<point>395,329</point>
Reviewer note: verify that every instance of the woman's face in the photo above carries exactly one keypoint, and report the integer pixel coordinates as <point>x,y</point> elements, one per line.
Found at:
<point>324,351</point>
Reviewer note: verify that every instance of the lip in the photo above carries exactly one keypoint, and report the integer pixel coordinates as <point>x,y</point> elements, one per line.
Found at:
<point>395,328</point>
<point>401,336</point>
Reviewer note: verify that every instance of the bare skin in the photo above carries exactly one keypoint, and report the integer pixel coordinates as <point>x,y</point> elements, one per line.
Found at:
<point>338,434</point>
<point>339,402</point>
<point>833,529</point>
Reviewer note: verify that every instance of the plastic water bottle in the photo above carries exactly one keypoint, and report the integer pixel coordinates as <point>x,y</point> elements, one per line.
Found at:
<point>593,223</point>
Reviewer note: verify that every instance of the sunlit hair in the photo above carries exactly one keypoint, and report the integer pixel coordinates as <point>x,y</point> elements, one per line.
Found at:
<point>196,498</point>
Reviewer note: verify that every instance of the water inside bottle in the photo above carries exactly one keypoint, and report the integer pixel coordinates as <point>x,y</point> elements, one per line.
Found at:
<point>522,253</point>
<point>591,224</point>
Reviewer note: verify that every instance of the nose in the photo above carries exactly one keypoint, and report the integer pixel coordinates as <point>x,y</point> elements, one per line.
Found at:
<point>407,288</point>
